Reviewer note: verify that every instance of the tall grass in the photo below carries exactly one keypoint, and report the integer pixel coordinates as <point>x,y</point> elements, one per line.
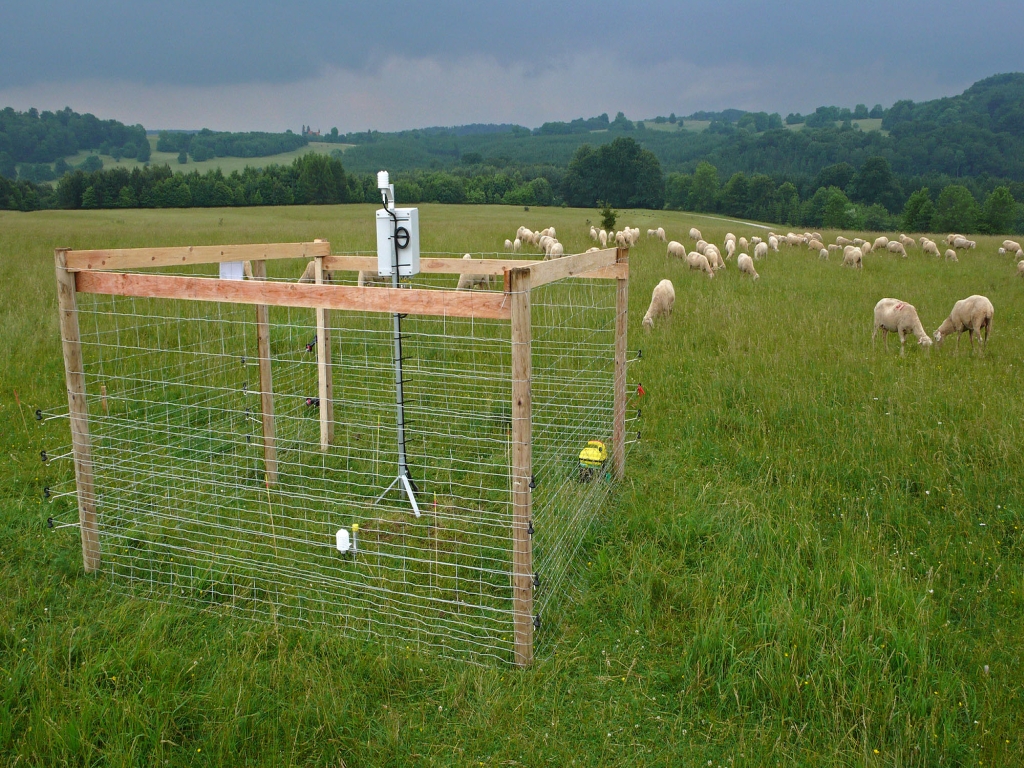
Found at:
<point>816,557</point>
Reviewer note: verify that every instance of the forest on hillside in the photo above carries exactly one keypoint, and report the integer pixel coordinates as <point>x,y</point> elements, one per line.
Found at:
<point>956,160</point>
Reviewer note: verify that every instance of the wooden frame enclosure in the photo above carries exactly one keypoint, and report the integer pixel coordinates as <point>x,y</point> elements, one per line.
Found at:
<point>107,272</point>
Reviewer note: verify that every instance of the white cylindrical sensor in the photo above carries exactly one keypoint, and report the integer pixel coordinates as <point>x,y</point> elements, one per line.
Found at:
<point>382,180</point>
<point>343,542</point>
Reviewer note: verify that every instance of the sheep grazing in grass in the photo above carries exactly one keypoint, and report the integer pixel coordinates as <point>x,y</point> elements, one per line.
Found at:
<point>714,257</point>
<point>1020,269</point>
<point>833,248</point>
<point>746,266</point>
<point>695,234</point>
<point>815,245</point>
<point>730,236</point>
<point>773,243</point>
<point>859,242</point>
<point>897,247</point>
<point>1002,251</point>
<point>368,279</point>
<point>867,247</point>
<point>852,257</point>
<point>880,242</point>
<point>823,254</point>
<point>963,244</point>
<point>554,251</point>
<point>742,244</point>
<point>676,249</point>
<point>1011,246</point>
<point>929,247</point>
<point>814,235</point>
<point>663,298</point>
<point>908,242</point>
<point>951,255</point>
<point>701,246</point>
<point>893,315</point>
<point>843,241</point>
<point>593,233</point>
<point>1018,255</point>
<point>756,240</point>
<point>660,231</point>
<point>971,316</point>
<point>792,239</point>
<point>951,237</point>
<point>602,238</point>
<point>761,251</point>
<point>468,282</point>
<point>517,245</point>
<point>730,248</point>
<point>652,233</point>
<point>508,245</point>
<point>700,261</point>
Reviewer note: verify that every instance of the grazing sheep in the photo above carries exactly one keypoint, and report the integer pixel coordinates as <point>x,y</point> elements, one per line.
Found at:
<point>853,258</point>
<point>730,248</point>
<point>742,244</point>
<point>676,249</point>
<point>832,247</point>
<point>908,242</point>
<point>760,251</point>
<point>593,233</point>
<point>773,243</point>
<point>1002,251</point>
<point>971,315</point>
<point>815,245</point>
<point>602,237</point>
<point>881,242</point>
<point>823,254</point>
<point>843,241</point>
<point>700,261</point>
<point>893,315</point>
<point>1020,269</point>
<point>961,243</point>
<point>620,239</point>
<point>467,282</point>
<point>555,251</point>
<point>508,245</point>
<point>517,245</point>
<point>661,233</point>
<point>951,237</point>
<point>592,250</point>
<point>714,257</point>
<point>756,240</point>
<point>730,236</point>
<point>695,234</point>
<point>663,298</point>
<point>1011,246</point>
<point>368,279</point>
<point>815,235</point>
<point>951,255</point>
<point>792,239</point>
<point>746,266</point>
<point>1019,255</point>
<point>309,275</point>
<point>652,233</point>
<point>701,246</point>
<point>859,242</point>
<point>929,247</point>
<point>867,247</point>
<point>897,247</point>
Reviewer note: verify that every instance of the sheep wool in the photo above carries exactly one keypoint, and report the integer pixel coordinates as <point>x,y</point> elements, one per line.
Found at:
<point>971,316</point>
<point>895,316</point>
<point>746,266</point>
<point>663,298</point>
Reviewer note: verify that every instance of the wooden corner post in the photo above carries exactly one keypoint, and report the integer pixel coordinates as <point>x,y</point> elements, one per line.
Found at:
<point>74,372</point>
<point>259,272</point>
<point>619,408</point>
<point>522,466</point>
<point>323,368</point>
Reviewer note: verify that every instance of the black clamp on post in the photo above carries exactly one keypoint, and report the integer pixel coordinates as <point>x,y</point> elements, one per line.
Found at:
<point>529,528</point>
<point>536,621</point>
<point>49,522</point>
<point>39,414</point>
<point>43,456</point>
<point>311,345</point>
<point>46,491</point>
<point>536,580</point>
<point>533,482</point>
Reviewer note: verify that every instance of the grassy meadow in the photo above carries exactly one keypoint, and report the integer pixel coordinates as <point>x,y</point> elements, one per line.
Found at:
<point>816,557</point>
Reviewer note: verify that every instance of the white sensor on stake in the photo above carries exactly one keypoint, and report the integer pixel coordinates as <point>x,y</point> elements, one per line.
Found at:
<point>396,227</point>
<point>343,541</point>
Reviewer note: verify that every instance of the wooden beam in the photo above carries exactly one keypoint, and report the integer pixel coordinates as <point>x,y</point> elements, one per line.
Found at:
<point>259,272</point>
<point>408,301</point>
<point>74,372</point>
<point>139,258</point>
<point>576,265</point>
<point>325,374</point>
<point>614,272</point>
<point>619,402</point>
<point>431,265</point>
<point>522,467</point>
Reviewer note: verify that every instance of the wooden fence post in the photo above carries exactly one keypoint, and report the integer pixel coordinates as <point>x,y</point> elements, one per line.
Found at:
<point>324,373</point>
<point>74,372</point>
<point>619,407</point>
<point>259,272</point>
<point>522,466</point>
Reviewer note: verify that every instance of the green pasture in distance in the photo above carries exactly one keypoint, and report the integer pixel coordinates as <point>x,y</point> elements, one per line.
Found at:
<point>816,558</point>
<point>226,164</point>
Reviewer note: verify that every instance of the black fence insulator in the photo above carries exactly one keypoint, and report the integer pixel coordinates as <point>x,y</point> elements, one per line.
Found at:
<point>536,580</point>
<point>529,529</point>
<point>533,482</point>
<point>243,361</point>
<point>39,415</point>
<point>311,345</point>
<point>639,354</point>
<point>313,402</point>
<point>46,492</point>
<point>536,621</point>
<point>43,456</point>
<point>638,412</point>
<point>49,522</point>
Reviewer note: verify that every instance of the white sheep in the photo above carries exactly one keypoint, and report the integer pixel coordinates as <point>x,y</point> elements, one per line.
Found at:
<point>701,246</point>
<point>620,239</point>
<point>695,234</point>
<point>880,242</point>
<point>815,245</point>
<point>663,298</point>
<point>814,235</point>
<point>730,248</point>
<point>661,233</point>
<point>714,257</point>
<point>929,247</point>
<point>730,236</point>
<point>951,255</point>
<point>843,241</point>
<point>756,240</point>
<point>773,243</point>
<point>1020,269</point>
<point>1002,251</point>
<point>517,245</point>
<point>652,233</point>
<point>555,251</point>
<point>833,248</point>
<point>468,282</point>
<point>742,244</point>
<point>823,254</point>
<point>746,265</point>
<point>908,242</point>
<point>971,315</point>
<point>962,243</point>
<point>792,239</point>
<point>676,249</point>
<point>897,247</point>
<point>369,278</point>
<point>602,237</point>
<point>859,242</point>
<point>867,247</point>
<point>893,315</point>
<point>593,233</point>
<point>1019,255</point>
<point>700,261</point>
<point>1011,246</point>
<point>508,245</point>
<point>761,251</point>
<point>852,257</point>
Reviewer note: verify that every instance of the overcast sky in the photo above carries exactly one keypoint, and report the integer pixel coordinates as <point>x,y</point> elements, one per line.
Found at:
<point>261,65</point>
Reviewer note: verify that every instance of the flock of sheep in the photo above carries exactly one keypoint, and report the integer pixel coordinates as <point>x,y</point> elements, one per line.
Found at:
<point>972,315</point>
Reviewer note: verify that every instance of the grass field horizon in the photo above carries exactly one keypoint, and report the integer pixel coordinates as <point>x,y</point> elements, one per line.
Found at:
<point>815,559</point>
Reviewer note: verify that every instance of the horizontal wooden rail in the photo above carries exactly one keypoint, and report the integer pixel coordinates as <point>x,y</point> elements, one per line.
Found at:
<point>410,301</point>
<point>576,265</point>
<point>137,258</point>
<point>431,265</point>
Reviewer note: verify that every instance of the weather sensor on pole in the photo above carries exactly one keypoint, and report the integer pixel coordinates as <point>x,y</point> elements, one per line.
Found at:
<point>398,255</point>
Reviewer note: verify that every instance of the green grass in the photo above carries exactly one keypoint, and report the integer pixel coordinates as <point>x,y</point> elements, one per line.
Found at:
<point>815,556</point>
<point>226,164</point>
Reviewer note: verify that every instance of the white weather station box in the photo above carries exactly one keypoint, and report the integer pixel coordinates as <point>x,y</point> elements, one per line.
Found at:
<point>396,226</point>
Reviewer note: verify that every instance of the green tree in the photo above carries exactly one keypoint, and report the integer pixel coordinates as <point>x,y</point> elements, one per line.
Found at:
<point>126,198</point>
<point>608,216</point>
<point>622,173</point>
<point>736,195</point>
<point>677,191</point>
<point>875,183</point>
<point>788,204</point>
<point>838,212</point>
<point>320,180</point>
<point>860,112</point>
<point>956,210</point>
<point>877,219</point>
<point>89,198</point>
<point>918,212</point>
<point>704,188</point>
<point>182,157</point>
<point>836,175</point>
<point>1000,211</point>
